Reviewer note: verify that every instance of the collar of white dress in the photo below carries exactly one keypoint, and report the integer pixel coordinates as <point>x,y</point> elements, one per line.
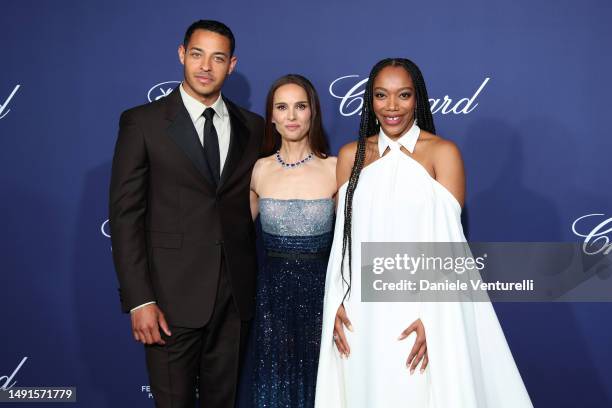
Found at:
<point>408,140</point>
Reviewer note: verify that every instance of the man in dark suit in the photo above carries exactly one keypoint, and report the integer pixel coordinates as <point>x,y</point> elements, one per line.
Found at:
<point>181,227</point>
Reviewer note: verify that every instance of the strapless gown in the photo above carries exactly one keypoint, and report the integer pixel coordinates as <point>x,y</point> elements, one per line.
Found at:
<point>297,236</point>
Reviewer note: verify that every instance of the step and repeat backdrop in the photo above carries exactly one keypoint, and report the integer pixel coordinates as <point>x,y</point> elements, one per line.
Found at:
<point>523,88</point>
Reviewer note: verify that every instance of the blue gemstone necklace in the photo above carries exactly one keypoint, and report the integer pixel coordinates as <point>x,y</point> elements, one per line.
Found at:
<point>292,165</point>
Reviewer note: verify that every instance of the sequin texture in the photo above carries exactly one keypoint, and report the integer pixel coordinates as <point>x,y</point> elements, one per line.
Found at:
<point>290,300</point>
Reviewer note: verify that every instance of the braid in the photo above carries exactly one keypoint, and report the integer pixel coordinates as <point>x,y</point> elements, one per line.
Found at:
<point>369,126</point>
<point>423,110</point>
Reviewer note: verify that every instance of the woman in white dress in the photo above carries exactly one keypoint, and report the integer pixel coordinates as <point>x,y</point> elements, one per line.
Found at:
<point>401,183</point>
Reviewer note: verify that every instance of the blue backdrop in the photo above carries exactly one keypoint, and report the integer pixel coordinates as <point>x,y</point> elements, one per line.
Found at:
<point>521,86</point>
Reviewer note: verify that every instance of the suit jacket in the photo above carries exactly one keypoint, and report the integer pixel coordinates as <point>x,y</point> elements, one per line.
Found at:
<point>170,226</point>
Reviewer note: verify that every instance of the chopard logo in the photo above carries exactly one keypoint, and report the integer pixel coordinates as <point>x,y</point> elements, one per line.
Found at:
<point>161,90</point>
<point>596,238</point>
<point>3,107</point>
<point>105,229</point>
<point>5,380</point>
<point>351,100</point>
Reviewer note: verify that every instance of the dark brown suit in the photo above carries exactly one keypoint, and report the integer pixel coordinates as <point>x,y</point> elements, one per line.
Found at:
<point>177,238</point>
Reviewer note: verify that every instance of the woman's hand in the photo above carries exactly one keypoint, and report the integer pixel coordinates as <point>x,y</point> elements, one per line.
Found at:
<point>419,350</point>
<point>339,336</point>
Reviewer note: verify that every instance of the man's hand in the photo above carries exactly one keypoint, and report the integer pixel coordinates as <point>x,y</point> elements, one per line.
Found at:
<point>146,322</point>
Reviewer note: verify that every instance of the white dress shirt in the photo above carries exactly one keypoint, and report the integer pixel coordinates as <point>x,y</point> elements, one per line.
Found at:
<point>221,120</point>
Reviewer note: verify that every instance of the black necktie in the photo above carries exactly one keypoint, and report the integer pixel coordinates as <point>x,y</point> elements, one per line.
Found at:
<point>211,145</point>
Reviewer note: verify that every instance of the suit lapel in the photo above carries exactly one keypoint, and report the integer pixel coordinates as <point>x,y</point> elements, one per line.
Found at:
<point>182,132</point>
<point>239,137</point>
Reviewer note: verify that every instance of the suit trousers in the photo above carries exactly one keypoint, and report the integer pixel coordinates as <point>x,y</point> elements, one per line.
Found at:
<point>207,358</point>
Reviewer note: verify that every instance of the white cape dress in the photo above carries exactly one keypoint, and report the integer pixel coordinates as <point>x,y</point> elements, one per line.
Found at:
<point>470,363</point>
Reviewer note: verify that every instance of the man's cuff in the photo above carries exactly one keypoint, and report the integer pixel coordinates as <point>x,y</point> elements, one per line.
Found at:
<point>143,305</point>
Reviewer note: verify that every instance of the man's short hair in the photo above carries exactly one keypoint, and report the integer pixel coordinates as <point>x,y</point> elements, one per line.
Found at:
<point>214,26</point>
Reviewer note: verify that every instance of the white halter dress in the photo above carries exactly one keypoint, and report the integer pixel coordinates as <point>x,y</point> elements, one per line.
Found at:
<point>470,364</point>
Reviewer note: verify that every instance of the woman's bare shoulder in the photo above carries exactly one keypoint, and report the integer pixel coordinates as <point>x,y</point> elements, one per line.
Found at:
<point>265,161</point>
<point>445,150</point>
<point>262,165</point>
<point>347,152</point>
<point>330,161</point>
<point>330,164</point>
<point>439,147</point>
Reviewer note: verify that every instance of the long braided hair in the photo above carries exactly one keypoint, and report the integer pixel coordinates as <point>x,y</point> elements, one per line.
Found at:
<point>369,127</point>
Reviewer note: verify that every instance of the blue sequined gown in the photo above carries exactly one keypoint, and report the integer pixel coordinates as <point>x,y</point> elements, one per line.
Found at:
<point>297,236</point>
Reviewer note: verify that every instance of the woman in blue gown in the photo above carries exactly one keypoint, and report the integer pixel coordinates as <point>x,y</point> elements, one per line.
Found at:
<point>292,190</point>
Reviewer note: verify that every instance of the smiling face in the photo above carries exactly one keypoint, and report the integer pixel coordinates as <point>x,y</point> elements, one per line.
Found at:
<point>291,112</point>
<point>394,100</point>
<point>207,62</point>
